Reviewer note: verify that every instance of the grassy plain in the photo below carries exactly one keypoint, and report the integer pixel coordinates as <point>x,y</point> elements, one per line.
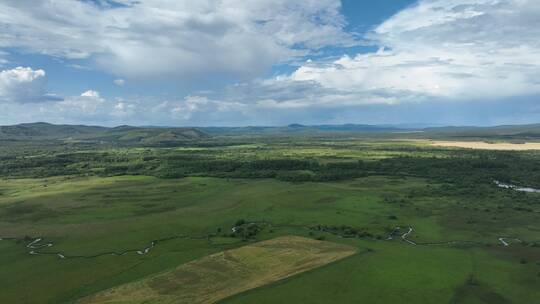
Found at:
<point>98,220</point>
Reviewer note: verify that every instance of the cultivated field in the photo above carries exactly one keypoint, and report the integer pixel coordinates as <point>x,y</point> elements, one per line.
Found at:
<point>488,145</point>
<point>212,278</point>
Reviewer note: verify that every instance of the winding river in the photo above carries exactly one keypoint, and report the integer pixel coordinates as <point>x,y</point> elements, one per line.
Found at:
<point>34,245</point>
<point>516,188</point>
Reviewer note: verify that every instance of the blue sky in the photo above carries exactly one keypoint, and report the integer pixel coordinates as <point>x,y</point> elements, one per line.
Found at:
<point>270,62</point>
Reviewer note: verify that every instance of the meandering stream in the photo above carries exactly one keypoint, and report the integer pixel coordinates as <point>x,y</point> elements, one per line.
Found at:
<point>38,243</point>
<point>516,188</point>
<point>35,244</point>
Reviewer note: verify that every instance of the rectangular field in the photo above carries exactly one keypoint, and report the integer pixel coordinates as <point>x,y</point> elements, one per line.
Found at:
<point>488,146</point>
<point>218,276</point>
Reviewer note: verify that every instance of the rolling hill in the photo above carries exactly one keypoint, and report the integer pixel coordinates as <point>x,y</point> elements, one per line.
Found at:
<point>169,136</point>
<point>300,129</point>
<point>82,133</point>
<point>503,132</point>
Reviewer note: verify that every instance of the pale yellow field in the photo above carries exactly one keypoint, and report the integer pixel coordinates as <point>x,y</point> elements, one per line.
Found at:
<point>487,146</point>
<point>218,276</point>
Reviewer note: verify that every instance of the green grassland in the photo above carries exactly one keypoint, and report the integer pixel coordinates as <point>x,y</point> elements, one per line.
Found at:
<point>100,206</point>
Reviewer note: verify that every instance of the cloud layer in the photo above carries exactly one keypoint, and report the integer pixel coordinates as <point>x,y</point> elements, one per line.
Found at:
<point>460,50</point>
<point>435,60</point>
<point>184,38</point>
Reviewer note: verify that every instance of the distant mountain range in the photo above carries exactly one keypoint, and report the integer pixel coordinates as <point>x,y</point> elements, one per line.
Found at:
<point>503,132</point>
<point>151,135</point>
<point>82,133</point>
<point>300,129</point>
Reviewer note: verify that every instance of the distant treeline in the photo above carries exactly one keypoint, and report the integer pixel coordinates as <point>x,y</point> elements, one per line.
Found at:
<point>464,167</point>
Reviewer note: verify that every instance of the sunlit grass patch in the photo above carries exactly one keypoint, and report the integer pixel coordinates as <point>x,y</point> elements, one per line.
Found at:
<point>214,277</point>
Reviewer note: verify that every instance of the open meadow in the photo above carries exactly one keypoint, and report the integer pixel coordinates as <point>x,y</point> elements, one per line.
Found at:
<point>272,220</point>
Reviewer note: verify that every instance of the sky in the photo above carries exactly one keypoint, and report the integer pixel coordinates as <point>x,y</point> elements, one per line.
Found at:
<point>270,62</point>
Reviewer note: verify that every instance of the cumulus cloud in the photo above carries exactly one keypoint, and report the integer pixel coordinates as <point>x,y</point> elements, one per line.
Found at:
<point>434,52</point>
<point>459,49</point>
<point>23,84</point>
<point>124,109</point>
<point>88,104</point>
<point>119,82</point>
<point>90,108</point>
<point>91,94</point>
<point>199,110</point>
<point>175,37</point>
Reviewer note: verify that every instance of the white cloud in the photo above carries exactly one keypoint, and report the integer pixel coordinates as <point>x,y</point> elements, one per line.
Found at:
<point>192,106</point>
<point>88,104</point>
<point>436,52</point>
<point>79,67</point>
<point>23,84</point>
<point>461,49</point>
<point>175,37</point>
<point>92,109</point>
<point>124,109</point>
<point>119,82</point>
<point>91,94</point>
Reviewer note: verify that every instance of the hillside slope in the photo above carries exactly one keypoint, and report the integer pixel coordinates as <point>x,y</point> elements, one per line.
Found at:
<point>120,135</point>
